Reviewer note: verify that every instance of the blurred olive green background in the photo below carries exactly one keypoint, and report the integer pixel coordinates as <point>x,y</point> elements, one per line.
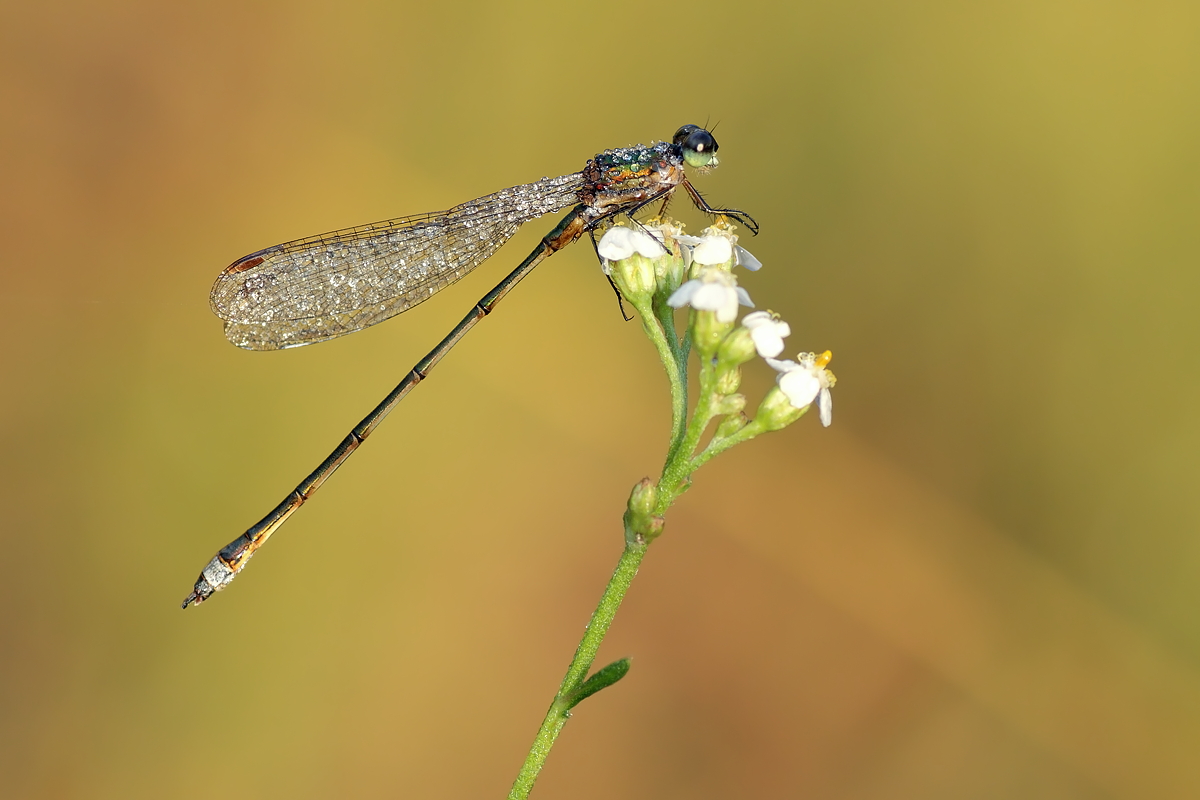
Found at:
<point>981,582</point>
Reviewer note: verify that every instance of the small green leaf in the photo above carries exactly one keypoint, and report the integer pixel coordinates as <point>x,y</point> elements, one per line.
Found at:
<point>601,679</point>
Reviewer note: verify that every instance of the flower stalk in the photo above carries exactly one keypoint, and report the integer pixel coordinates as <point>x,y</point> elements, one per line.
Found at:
<point>658,270</point>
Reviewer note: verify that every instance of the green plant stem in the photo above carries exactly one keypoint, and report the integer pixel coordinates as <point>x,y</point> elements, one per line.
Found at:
<point>718,446</point>
<point>585,655</point>
<point>678,467</point>
<point>668,350</point>
<point>659,323</point>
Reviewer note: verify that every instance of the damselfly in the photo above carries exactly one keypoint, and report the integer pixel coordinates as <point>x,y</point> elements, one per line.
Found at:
<point>336,283</point>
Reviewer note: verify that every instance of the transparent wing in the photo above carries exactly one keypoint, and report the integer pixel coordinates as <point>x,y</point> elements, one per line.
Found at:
<point>325,286</point>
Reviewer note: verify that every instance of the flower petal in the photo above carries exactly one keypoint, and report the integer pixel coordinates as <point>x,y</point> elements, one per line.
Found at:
<point>617,243</point>
<point>767,332</point>
<point>825,406</point>
<point>767,342</point>
<point>800,386</point>
<point>746,260</point>
<point>645,244</point>
<point>712,297</point>
<point>713,250</point>
<point>684,294</point>
<point>727,313</point>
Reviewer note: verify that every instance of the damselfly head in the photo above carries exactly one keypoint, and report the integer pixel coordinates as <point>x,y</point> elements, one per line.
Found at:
<point>698,146</point>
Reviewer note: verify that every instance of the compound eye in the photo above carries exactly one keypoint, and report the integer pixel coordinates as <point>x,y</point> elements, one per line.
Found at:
<point>699,146</point>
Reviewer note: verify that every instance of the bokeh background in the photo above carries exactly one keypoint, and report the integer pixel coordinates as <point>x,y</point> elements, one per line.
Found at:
<point>980,582</point>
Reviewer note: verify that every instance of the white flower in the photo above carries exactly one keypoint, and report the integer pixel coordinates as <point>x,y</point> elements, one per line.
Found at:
<point>806,381</point>
<point>712,250</point>
<point>619,243</point>
<point>767,330</point>
<point>713,290</point>
<point>718,248</point>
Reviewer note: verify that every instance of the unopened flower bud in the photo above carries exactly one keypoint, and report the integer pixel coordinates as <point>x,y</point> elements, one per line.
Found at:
<point>738,347</point>
<point>730,404</point>
<point>643,497</point>
<point>776,411</point>
<point>670,268</point>
<point>731,425</point>
<point>728,380</point>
